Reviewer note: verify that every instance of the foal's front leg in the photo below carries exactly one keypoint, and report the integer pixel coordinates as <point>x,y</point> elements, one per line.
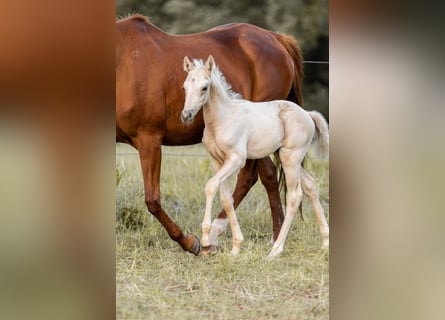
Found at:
<point>230,166</point>
<point>227,202</point>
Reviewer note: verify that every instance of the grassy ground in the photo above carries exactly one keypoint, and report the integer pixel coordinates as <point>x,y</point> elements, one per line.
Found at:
<point>155,279</point>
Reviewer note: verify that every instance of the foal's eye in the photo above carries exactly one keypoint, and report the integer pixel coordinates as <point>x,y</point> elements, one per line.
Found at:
<point>204,88</point>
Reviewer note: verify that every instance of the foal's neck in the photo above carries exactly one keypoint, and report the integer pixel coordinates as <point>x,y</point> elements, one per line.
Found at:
<point>219,105</point>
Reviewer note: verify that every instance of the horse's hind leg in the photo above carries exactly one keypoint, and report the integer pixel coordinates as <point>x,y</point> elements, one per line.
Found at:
<point>268,176</point>
<point>310,189</point>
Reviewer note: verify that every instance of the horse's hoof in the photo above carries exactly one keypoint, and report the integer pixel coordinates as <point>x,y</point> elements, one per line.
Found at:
<point>211,249</point>
<point>195,247</point>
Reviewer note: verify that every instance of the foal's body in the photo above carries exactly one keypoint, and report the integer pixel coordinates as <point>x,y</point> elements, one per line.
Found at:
<point>276,116</point>
<point>237,130</point>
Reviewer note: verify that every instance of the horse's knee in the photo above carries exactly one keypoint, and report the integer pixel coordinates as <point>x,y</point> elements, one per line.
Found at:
<point>153,205</point>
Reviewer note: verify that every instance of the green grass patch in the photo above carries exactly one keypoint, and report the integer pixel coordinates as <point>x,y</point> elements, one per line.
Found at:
<point>155,279</point>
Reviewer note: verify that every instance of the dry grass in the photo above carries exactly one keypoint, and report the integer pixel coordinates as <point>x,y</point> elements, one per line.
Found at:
<point>156,280</point>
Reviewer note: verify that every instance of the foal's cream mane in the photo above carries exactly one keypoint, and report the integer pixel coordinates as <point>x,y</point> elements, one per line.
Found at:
<point>218,76</point>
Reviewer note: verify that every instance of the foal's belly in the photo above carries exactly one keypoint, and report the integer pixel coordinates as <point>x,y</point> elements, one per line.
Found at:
<point>262,145</point>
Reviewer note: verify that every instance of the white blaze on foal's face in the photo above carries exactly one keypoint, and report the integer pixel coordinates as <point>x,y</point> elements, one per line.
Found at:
<point>197,88</point>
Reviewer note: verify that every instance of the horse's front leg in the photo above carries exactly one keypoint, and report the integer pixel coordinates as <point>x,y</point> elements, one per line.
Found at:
<point>150,154</point>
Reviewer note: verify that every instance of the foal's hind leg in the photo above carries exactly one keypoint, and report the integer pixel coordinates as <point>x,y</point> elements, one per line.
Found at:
<point>310,189</point>
<point>291,162</point>
<point>293,199</point>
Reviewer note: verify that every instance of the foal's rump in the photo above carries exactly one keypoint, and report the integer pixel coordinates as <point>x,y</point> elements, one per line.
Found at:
<point>303,128</point>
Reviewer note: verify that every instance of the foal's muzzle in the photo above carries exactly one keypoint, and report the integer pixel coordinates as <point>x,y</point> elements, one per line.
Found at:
<point>187,115</point>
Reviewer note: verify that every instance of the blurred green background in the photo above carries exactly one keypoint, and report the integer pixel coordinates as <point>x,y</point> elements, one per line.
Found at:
<point>306,20</point>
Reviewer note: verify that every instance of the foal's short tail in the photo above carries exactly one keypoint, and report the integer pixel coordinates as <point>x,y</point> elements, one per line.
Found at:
<point>321,137</point>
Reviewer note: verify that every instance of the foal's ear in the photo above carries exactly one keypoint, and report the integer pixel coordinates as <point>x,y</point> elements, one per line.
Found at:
<point>210,63</point>
<point>188,65</point>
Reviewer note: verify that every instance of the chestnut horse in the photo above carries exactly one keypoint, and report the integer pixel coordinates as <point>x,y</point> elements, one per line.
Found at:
<point>261,65</point>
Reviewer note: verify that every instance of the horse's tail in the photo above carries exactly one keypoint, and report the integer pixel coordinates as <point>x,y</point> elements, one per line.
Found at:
<point>321,136</point>
<point>295,93</point>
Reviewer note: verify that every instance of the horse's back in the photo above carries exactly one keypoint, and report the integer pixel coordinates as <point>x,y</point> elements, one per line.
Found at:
<point>254,61</point>
<point>149,73</point>
<point>255,56</point>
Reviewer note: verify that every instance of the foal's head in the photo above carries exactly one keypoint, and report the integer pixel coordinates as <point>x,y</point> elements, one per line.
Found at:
<point>196,86</point>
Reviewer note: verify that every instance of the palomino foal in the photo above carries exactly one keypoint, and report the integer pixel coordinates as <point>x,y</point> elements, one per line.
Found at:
<point>236,130</point>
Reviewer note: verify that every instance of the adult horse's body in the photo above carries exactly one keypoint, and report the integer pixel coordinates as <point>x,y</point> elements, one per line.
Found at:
<point>260,64</point>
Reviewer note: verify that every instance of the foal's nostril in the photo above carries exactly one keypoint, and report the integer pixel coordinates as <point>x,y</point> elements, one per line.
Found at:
<point>186,116</point>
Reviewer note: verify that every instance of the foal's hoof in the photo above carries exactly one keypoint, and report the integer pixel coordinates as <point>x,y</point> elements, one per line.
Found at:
<point>194,244</point>
<point>211,249</point>
<point>325,244</point>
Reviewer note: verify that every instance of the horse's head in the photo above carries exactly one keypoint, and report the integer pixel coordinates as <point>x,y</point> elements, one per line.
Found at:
<point>196,86</point>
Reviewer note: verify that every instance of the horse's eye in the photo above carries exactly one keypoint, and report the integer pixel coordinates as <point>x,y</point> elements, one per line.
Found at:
<point>204,88</point>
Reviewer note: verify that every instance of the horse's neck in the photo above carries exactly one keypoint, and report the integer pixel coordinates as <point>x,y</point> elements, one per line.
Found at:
<point>218,107</point>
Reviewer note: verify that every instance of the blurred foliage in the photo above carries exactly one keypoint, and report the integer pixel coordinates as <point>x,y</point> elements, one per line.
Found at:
<point>306,20</point>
